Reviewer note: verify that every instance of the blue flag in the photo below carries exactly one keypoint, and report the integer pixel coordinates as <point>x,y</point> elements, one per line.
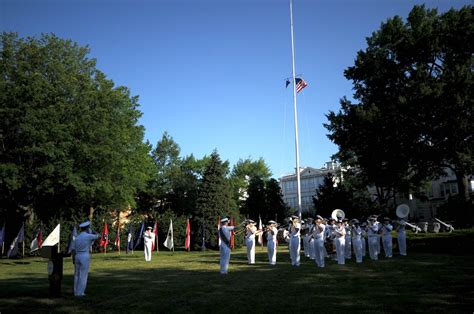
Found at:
<point>139,236</point>
<point>130,239</point>
<point>2,235</point>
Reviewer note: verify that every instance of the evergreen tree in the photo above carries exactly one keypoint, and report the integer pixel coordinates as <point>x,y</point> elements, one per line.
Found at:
<point>214,200</point>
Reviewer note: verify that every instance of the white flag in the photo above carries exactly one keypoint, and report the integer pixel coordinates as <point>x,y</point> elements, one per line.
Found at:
<point>53,237</point>
<point>169,238</point>
<point>13,251</point>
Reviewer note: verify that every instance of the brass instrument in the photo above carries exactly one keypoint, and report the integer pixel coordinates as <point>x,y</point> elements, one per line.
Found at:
<point>338,214</point>
<point>402,212</point>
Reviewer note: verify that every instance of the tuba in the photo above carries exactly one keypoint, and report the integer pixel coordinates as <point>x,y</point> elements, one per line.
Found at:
<point>338,214</point>
<point>402,210</point>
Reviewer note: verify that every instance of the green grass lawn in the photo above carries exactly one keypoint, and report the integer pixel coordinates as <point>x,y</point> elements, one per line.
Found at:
<point>190,282</point>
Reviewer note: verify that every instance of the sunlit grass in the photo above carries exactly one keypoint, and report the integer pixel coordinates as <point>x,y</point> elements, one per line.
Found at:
<point>190,282</point>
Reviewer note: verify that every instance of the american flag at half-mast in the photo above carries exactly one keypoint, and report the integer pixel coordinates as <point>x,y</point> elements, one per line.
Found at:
<point>300,84</point>
<point>169,243</point>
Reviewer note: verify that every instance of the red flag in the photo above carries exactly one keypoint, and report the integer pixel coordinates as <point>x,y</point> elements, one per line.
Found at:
<point>40,238</point>
<point>117,237</point>
<point>187,243</point>
<point>232,234</point>
<point>155,231</point>
<point>105,237</point>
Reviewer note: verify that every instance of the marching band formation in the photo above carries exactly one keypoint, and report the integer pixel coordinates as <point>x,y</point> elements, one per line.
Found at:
<point>336,238</point>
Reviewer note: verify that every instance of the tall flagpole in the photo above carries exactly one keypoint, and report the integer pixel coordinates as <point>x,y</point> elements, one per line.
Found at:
<point>298,180</point>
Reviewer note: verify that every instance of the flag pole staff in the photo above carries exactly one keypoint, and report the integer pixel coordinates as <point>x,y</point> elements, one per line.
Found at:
<point>298,180</point>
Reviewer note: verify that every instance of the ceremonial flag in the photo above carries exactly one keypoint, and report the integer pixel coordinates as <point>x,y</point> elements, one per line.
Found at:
<point>260,234</point>
<point>300,84</point>
<point>187,243</point>
<point>130,239</point>
<point>117,237</point>
<point>139,236</point>
<point>71,245</point>
<point>13,251</point>
<point>53,237</point>
<point>169,238</point>
<point>37,242</point>
<point>232,234</point>
<point>218,230</point>
<point>2,236</point>
<point>155,231</point>
<point>104,240</point>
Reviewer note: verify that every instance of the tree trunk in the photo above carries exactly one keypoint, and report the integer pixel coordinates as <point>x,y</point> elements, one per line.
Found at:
<point>91,213</point>
<point>463,187</point>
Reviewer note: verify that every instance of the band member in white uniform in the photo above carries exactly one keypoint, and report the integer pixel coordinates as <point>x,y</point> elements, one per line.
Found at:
<point>401,237</point>
<point>272,241</point>
<point>348,248</point>
<point>250,232</point>
<point>295,246</point>
<point>331,239</point>
<point>373,237</point>
<point>363,226</point>
<point>82,243</point>
<point>318,241</point>
<point>224,234</point>
<point>308,239</point>
<point>340,232</point>
<point>357,240</point>
<point>387,237</point>
<point>148,240</point>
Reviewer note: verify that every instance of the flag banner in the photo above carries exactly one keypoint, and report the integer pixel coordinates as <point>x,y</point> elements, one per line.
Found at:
<point>260,234</point>
<point>155,240</point>
<point>71,245</point>
<point>53,237</point>
<point>187,243</point>
<point>2,235</point>
<point>169,243</point>
<point>219,231</point>
<point>130,239</point>
<point>300,84</point>
<point>104,240</point>
<point>13,251</point>
<point>37,242</point>
<point>139,236</point>
<point>117,236</point>
<point>232,240</point>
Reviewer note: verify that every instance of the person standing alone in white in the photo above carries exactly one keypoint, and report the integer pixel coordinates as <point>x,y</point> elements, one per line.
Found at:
<point>149,240</point>
<point>82,243</point>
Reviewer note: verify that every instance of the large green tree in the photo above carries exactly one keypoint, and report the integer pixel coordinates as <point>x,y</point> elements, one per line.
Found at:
<point>69,139</point>
<point>214,200</point>
<point>413,118</point>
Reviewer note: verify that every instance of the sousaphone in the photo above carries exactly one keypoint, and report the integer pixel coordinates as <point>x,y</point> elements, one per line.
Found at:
<point>402,211</point>
<point>338,214</point>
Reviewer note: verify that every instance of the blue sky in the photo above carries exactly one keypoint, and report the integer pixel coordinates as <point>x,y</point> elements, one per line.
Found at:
<point>212,73</point>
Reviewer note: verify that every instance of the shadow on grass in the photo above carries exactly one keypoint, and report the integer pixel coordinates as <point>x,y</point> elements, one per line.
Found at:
<point>191,283</point>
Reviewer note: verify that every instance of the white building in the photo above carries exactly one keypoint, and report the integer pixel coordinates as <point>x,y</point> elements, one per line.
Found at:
<point>311,179</point>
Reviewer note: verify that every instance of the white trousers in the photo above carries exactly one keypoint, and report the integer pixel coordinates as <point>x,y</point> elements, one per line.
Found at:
<point>373,247</point>
<point>295,247</point>
<point>348,249</point>
<point>402,243</point>
<point>81,272</point>
<point>364,246</point>
<point>225,258</point>
<point>312,252</point>
<point>271,247</point>
<point>357,245</point>
<point>387,245</point>
<point>340,250</point>
<point>250,243</point>
<point>319,251</point>
<point>147,249</point>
